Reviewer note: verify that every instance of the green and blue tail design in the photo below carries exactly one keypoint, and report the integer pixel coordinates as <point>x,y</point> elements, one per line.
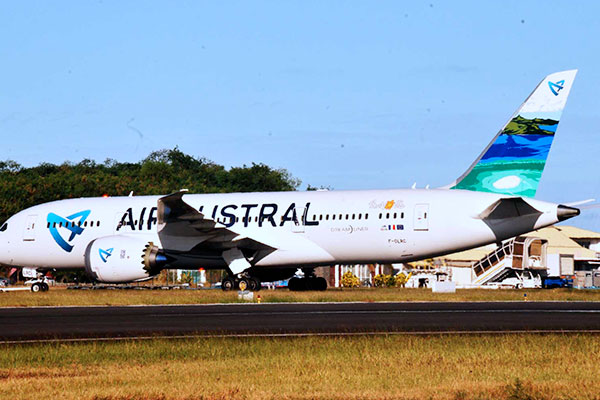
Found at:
<point>513,162</point>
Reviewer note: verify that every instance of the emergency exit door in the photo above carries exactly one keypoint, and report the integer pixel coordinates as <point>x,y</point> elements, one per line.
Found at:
<point>421,219</point>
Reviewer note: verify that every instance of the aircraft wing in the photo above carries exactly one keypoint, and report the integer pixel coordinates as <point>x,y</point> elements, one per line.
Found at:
<point>181,228</point>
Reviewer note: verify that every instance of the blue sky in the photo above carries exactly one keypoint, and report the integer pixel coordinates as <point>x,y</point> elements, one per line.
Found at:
<point>352,95</point>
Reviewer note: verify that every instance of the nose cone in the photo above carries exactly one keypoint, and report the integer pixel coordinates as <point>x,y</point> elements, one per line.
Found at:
<point>565,212</point>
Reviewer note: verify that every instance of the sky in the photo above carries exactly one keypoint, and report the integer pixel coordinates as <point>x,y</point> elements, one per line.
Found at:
<point>342,94</point>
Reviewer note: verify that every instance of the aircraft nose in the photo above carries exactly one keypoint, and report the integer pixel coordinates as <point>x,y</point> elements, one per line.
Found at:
<point>565,212</point>
<point>5,256</point>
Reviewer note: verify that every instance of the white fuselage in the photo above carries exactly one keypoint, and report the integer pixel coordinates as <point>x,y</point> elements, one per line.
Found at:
<point>329,227</point>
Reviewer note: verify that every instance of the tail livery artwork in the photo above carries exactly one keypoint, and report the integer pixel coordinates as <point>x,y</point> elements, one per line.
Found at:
<point>258,237</point>
<point>514,161</point>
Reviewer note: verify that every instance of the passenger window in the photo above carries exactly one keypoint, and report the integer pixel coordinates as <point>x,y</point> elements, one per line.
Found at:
<point>395,214</point>
<point>333,217</point>
<point>347,216</point>
<point>359,216</point>
<point>366,216</point>
<point>387,216</point>
<point>327,217</point>
<point>401,215</point>
<point>60,224</point>
<point>315,217</point>
<point>321,217</point>
<point>98,223</point>
<point>380,215</point>
<point>85,223</point>
<point>353,216</point>
<point>46,227</point>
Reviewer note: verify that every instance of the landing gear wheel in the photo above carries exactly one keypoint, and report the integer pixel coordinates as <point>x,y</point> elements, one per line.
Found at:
<point>36,287</point>
<point>228,284</point>
<point>45,287</point>
<point>253,284</point>
<point>294,284</point>
<point>320,284</point>
<point>244,284</point>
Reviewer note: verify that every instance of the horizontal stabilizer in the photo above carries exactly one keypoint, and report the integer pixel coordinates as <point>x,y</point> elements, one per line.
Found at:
<point>579,203</point>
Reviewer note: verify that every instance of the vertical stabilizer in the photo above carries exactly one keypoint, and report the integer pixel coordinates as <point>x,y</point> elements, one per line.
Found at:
<point>513,162</point>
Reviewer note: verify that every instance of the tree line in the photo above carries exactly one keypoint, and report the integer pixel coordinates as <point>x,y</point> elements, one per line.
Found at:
<point>162,172</point>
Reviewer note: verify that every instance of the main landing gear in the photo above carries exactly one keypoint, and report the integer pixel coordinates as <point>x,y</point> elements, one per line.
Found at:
<point>309,283</point>
<point>242,283</point>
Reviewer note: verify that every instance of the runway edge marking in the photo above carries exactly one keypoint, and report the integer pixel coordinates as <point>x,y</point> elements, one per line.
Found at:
<point>284,335</point>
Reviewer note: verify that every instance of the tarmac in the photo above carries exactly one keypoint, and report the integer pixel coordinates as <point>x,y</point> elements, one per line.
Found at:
<point>292,319</point>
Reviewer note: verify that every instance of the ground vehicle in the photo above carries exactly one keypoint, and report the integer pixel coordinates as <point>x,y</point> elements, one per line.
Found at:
<point>525,280</point>
<point>4,282</point>
<point>550,282</point>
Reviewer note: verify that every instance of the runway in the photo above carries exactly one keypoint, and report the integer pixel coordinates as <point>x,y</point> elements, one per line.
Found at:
<point>60,323</point>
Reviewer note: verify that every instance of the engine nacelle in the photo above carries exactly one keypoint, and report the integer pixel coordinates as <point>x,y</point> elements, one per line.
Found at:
<point>119,259</point>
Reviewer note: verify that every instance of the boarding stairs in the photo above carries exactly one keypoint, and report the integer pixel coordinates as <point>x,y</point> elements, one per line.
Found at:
<point>512,255</point>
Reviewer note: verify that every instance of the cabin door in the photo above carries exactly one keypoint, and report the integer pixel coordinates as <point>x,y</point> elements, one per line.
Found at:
<point>298,221</point>
<point>421,218</point>
<point>29,232</point>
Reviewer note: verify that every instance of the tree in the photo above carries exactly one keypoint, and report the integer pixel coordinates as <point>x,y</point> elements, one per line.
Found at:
<point>162,172</point>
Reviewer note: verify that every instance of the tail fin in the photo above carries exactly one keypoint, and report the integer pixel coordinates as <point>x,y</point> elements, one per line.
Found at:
<point>514,160</point>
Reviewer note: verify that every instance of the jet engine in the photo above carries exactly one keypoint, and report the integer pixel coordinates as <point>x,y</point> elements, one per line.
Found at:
<point>119,259</point>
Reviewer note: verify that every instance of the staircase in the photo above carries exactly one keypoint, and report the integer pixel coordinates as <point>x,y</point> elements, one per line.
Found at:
<point>495,264</point>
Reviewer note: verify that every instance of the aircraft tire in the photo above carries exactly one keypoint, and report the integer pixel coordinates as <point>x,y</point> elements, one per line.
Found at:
<point>36,287</point>
<point>253,284</point>
<point>295,284</point>
<point>308,283</point>
<point>45,287</point>
<point>244,284</point>
<point>228,284</point>
<point>320,284</point>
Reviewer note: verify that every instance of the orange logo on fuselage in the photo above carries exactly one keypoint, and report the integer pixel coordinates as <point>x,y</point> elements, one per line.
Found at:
<point>389,205</point>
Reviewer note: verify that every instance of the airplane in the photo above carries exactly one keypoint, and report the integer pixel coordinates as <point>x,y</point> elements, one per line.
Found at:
<point>262,237</point>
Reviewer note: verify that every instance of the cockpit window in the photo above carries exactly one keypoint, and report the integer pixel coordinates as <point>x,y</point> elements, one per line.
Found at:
<point>4,227</point>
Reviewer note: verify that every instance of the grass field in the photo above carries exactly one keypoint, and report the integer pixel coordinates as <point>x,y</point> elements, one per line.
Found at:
<point>381,367</point>
<point>60,296</point>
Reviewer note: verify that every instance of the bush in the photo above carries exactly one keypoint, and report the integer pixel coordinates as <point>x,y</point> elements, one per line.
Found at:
<point>350,280</point>
<point>382,280</point>
<point>379,280</point>
<point>401,279</point>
